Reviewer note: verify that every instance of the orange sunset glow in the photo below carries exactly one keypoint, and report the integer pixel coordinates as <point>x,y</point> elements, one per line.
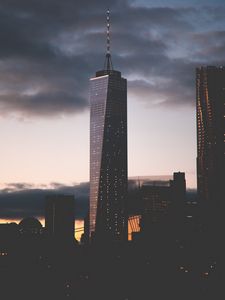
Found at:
<point>79,225</point>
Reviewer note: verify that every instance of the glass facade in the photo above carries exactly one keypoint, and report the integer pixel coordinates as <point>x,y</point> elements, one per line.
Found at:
<point>210,101</point>
<point>108,156</point>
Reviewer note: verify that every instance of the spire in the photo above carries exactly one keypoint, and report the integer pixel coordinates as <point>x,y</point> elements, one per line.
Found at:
<point>108,61</point>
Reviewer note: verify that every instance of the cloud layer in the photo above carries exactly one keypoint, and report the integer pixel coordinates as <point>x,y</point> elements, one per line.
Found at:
<point>20,200</point>
<point>50,48</point>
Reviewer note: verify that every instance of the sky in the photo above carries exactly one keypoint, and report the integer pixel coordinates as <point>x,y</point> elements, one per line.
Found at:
<point>50,49</point>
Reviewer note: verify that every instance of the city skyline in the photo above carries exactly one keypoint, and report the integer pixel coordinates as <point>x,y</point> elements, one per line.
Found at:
<point>47,94</point>
<point>112,166</point>
<point>39,109</point>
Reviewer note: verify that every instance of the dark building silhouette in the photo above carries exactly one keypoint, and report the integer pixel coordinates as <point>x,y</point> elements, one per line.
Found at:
<point>9,234</point>
<point>160,202</point>
<point>108,152</point>
<point>178,190</point>
<point>156,201</point>
<point>210,98</point>
<point>30,226</point>
<point>59,217</point>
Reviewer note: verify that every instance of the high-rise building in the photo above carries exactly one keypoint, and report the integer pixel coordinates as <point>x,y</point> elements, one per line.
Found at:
<point>165,198</point>
<point>59,217</point>
<point>108,152</point>
<point>159,202</point>
<point>210,97</point>
<point>156,201</point>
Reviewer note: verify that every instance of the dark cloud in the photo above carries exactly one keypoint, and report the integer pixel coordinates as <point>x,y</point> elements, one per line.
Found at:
<point>50,48</point>
<point>211,44</point>
<point>20,200</point>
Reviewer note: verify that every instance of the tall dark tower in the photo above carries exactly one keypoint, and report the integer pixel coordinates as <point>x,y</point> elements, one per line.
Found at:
<point>59,217</point>
<point>108,152</point>
<point>210,96</point>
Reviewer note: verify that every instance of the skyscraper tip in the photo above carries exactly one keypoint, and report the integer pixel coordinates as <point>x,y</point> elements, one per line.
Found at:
<point>108,60</point>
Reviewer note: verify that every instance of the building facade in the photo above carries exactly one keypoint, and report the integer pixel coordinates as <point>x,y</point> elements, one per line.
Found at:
<point>108,153</point>
<point>210,100</point>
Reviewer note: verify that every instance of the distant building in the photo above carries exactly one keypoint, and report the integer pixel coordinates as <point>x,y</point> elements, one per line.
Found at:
<point>59,217</point>
<point>9,236</point>
<point>30,226</point>
<point>161,202</point>
<point>156,201</point>
<point>210,102</point>
<point>178,191</point>
<point>8,230</point>
<point>108,153</point>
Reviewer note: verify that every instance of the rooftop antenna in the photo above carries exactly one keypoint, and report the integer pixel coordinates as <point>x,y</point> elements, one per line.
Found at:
<point>108,60</point>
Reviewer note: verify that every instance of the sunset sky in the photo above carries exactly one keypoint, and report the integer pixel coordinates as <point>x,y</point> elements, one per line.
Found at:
<point>50,49</point>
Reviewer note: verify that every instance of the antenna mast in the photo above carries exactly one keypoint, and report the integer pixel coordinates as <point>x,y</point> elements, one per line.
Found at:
<point>108,33</point>
<point>108,61</point>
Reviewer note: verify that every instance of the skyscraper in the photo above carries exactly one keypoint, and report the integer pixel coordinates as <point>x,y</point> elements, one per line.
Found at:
<point>210,96</point>
<point>59,217</point>
<point>108,152</point>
